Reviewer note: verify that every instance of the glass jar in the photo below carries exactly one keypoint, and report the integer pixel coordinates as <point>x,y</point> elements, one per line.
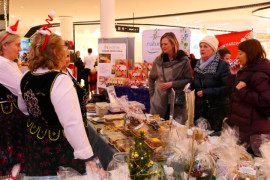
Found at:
<point>118,167</point>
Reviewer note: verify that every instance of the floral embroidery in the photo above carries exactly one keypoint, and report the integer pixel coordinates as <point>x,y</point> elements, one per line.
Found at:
<point>84,101</point>
<point>32,103</point>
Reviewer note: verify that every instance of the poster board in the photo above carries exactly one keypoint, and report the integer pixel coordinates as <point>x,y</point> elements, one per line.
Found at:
<point>232,40</point>
<point>151,42</point>
<point>108,53</point>
<point>128,51</point>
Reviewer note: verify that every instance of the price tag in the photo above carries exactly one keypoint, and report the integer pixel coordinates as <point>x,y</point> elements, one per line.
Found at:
<point>139,126</point>
<point>247,170</point>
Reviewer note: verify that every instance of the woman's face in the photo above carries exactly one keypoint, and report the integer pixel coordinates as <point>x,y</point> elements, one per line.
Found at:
<point>242,56</point>
<point>167,46</point>
<point>67,59</point>
<point>227,58</point>
<point>78,53</point>
<point>12,50</point>
<point>206,51</point>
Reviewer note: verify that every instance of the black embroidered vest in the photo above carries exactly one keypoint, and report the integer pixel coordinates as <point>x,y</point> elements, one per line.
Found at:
<point>36,91</point>
<point>7,100</point>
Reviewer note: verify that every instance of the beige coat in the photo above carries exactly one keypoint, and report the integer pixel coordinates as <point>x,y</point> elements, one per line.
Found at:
<point>176,71</point>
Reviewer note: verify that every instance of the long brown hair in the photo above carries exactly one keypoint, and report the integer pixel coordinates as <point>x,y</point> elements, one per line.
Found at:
<point>254,50</point>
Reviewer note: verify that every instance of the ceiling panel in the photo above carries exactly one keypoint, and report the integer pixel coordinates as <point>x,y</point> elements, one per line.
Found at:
<point>34,12</point>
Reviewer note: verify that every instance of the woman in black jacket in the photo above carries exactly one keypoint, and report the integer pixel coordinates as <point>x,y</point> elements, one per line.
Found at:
<point>210,74</point>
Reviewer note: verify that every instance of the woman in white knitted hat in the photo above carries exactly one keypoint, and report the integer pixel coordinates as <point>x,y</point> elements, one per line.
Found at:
<point>210,74</point>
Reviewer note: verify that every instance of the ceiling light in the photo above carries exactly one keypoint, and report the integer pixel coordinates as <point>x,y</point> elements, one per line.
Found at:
<point>262,12</point>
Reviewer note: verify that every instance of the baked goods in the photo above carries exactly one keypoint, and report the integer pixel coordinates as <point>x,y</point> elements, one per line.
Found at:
<point>90,107</point>
<point>154,117</point>
<point>154,125</point>
<point>102,108</point>
<point>124,145</point>
<point>98,120</point>
<point>114,136</point>
<point>114,117</point>
<point>118,124</point>
<point>153,142</point>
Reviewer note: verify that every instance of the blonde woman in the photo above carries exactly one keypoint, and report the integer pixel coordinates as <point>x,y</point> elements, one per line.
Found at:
<point>12,120</point>
<point>171,69</point>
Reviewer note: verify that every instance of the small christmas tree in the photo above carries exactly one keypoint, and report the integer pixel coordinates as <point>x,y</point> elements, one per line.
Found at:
<point>140,160</point>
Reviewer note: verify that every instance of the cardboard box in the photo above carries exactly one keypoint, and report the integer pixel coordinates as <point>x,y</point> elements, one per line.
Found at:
<point>149,66</point>
<point>140,66</point>
<point>125,62</point>
<point>121,71</point>
<point>135,77</point>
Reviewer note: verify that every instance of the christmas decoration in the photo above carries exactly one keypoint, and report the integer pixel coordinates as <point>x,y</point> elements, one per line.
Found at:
<point>45,30</point>
<point>140,161</point>
<point>11,30</point>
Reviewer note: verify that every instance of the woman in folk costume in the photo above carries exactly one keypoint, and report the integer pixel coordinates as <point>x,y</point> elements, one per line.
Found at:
<point>55,132</point>
<point>171,69</point>
<point>12,120</point>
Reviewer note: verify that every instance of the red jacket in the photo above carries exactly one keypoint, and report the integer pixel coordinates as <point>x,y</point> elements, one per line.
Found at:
<point>242,111</point>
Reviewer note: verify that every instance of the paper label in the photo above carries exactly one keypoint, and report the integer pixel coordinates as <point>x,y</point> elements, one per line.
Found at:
<point>139,126</point>
<point>162,127</point>
<point>247,170</point>
<point>155,139</point>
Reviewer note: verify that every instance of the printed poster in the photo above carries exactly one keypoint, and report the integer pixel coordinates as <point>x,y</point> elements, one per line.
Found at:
<point>108,52</point>
<point>151,42</point>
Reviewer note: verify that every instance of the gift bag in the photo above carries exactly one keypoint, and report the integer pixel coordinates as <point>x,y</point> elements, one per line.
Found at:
<point>190,100</point>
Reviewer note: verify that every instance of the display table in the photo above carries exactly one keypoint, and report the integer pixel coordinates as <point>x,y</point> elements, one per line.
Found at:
<point>135,94</point>
<point>100,148</point>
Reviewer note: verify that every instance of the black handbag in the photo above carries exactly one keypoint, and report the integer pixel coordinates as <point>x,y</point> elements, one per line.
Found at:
<point>180,98</point>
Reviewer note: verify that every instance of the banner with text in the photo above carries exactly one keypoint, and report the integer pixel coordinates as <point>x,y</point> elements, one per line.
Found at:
<point>151,42</point>
<point>108,53</point>
<point>231,41</point>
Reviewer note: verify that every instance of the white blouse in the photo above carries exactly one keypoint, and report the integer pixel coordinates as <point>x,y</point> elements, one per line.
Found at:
<point>67,108</point>
<point>10,77</point>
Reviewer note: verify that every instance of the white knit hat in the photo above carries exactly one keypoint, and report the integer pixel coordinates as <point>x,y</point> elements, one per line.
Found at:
<point>212,41</point>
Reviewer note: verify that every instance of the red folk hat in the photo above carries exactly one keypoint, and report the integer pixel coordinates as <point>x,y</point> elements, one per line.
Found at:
<point>11,30</point>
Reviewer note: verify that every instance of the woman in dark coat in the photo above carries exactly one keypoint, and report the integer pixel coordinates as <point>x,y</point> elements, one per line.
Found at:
<point>210,75</point>
<point>249,88</point>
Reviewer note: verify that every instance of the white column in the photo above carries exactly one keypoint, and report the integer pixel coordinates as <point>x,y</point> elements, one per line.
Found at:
<point>66,27</point>
<point>107,22</point>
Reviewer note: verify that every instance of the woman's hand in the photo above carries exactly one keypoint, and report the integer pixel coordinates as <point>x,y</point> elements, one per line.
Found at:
<point>91,166</point>
<point>200,93</point>
<point>235,68</point>
<point>240,85</point>
<point>165,86</point>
